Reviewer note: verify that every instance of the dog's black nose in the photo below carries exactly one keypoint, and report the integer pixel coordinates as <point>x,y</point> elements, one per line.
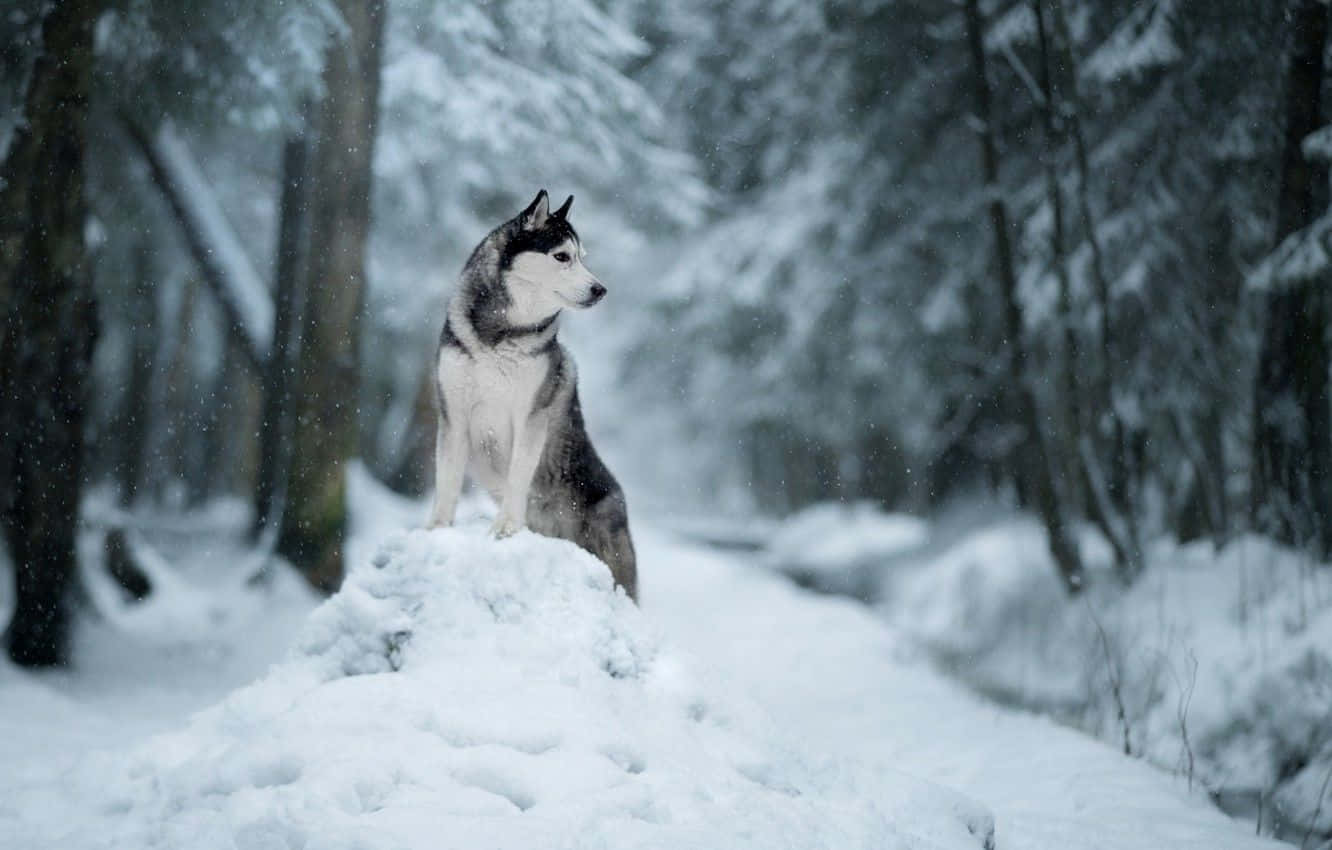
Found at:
<point>598,291</point>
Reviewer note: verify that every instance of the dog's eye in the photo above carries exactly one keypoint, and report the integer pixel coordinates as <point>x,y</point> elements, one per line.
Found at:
<point>561,256</point>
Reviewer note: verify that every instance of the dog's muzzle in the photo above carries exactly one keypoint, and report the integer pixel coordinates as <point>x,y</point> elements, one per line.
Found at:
<point>598,292</point>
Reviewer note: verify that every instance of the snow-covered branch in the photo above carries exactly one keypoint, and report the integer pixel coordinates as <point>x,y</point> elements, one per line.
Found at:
<point>226,267</point>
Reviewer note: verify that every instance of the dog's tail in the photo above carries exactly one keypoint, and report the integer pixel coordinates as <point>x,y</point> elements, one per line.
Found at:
<point>606,535</point>
<point>622,562</point>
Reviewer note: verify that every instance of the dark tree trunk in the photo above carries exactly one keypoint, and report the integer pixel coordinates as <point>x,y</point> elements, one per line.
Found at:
<point>123,568</point>
<point>129,442</point>
<point>1034,461</point>
<point>411,474</point>
<point>50,326</point>
<point>176,399</point>
<point>1292,452</point>
<point>134,419</point>
<point>1069,391</point>
<point>324,438</point>
<point>1111,508</point>
<point>234,416</point>
<point>1217,322</point>
<point>275,420</point>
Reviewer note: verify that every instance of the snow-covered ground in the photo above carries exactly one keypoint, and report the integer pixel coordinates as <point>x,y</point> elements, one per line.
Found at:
<point>461,690</point>
<point>843,548</point>
<point>1215,663</point>
<point>831,669</point>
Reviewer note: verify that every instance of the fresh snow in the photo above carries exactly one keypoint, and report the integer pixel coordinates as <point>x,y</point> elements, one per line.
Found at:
<point>1318,144</point>
<point>1142,41</point>
<point>464,692</point>
<point>851,685</point>
<point>1222,656</point>
<point>460,691</point>
<point>1302,256</point>
<point>836,547</point>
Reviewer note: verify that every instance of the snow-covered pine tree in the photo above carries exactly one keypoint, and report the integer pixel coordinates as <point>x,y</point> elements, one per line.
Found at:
<point>833,319</point>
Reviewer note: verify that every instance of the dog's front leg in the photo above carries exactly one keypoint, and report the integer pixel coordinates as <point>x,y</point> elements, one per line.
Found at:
<point>450,461</point>
<point>529,441</point>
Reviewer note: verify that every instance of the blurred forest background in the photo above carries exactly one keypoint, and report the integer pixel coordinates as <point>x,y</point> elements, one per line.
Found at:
<point>1071,255</point>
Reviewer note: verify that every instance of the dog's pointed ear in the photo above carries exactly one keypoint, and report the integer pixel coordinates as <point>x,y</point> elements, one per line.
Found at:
<point>537,212</point>
<point>563,211</point>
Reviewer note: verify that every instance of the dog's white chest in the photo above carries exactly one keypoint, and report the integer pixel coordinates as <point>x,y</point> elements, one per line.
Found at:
<point>488,394</point>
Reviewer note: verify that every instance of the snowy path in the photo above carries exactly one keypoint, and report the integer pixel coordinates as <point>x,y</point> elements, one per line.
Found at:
<point>829,669</point>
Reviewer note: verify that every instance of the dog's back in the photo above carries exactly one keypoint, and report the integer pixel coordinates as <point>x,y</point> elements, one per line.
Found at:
<point>574,496</point>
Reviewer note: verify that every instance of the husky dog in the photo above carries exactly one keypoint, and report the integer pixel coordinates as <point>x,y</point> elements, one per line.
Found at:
<point>508,403</point>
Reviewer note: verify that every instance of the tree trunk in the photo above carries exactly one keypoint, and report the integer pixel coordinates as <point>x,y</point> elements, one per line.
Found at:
<point>50,327</point>
<point>411,474</point>
<point>123,568</point>
<point>325,435</point>
<point>236,405</point>
<point>275,421</point>
<point>1035,463</point>
<point>1292,453</point>
<point>134,419</point>
<point>175,401</point>
<point>1113,513</point>
<point>1069,392</point>
<point>1226,286</point>
<point>128,440</point>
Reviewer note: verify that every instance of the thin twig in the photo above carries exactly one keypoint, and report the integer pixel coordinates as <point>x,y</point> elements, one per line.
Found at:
<point>1182,710</point>
<point>1113,675</point>
<point>1318,809</point>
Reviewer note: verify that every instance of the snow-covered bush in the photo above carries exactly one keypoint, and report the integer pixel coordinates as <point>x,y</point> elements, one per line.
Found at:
<point>1216,663</point>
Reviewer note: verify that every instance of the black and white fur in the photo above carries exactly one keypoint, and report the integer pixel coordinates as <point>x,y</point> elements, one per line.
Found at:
<point>508,403</point>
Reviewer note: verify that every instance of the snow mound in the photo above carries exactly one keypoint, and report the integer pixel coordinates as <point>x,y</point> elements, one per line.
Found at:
<point>969,598</point>
<point>465,692</point>
<point>836,547</point>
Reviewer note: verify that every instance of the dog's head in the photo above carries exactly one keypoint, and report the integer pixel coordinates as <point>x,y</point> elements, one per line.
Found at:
<point>542,263</point>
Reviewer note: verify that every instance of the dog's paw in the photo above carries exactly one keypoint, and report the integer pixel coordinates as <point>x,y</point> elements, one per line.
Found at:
<point>434,522</point>
<point>505,526</point>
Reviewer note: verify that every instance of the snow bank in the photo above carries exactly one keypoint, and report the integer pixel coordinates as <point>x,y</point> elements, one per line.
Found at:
<point>1222,657</point>
<point>463,692</point>
<point>995,588</point>
<point>836,547</point>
